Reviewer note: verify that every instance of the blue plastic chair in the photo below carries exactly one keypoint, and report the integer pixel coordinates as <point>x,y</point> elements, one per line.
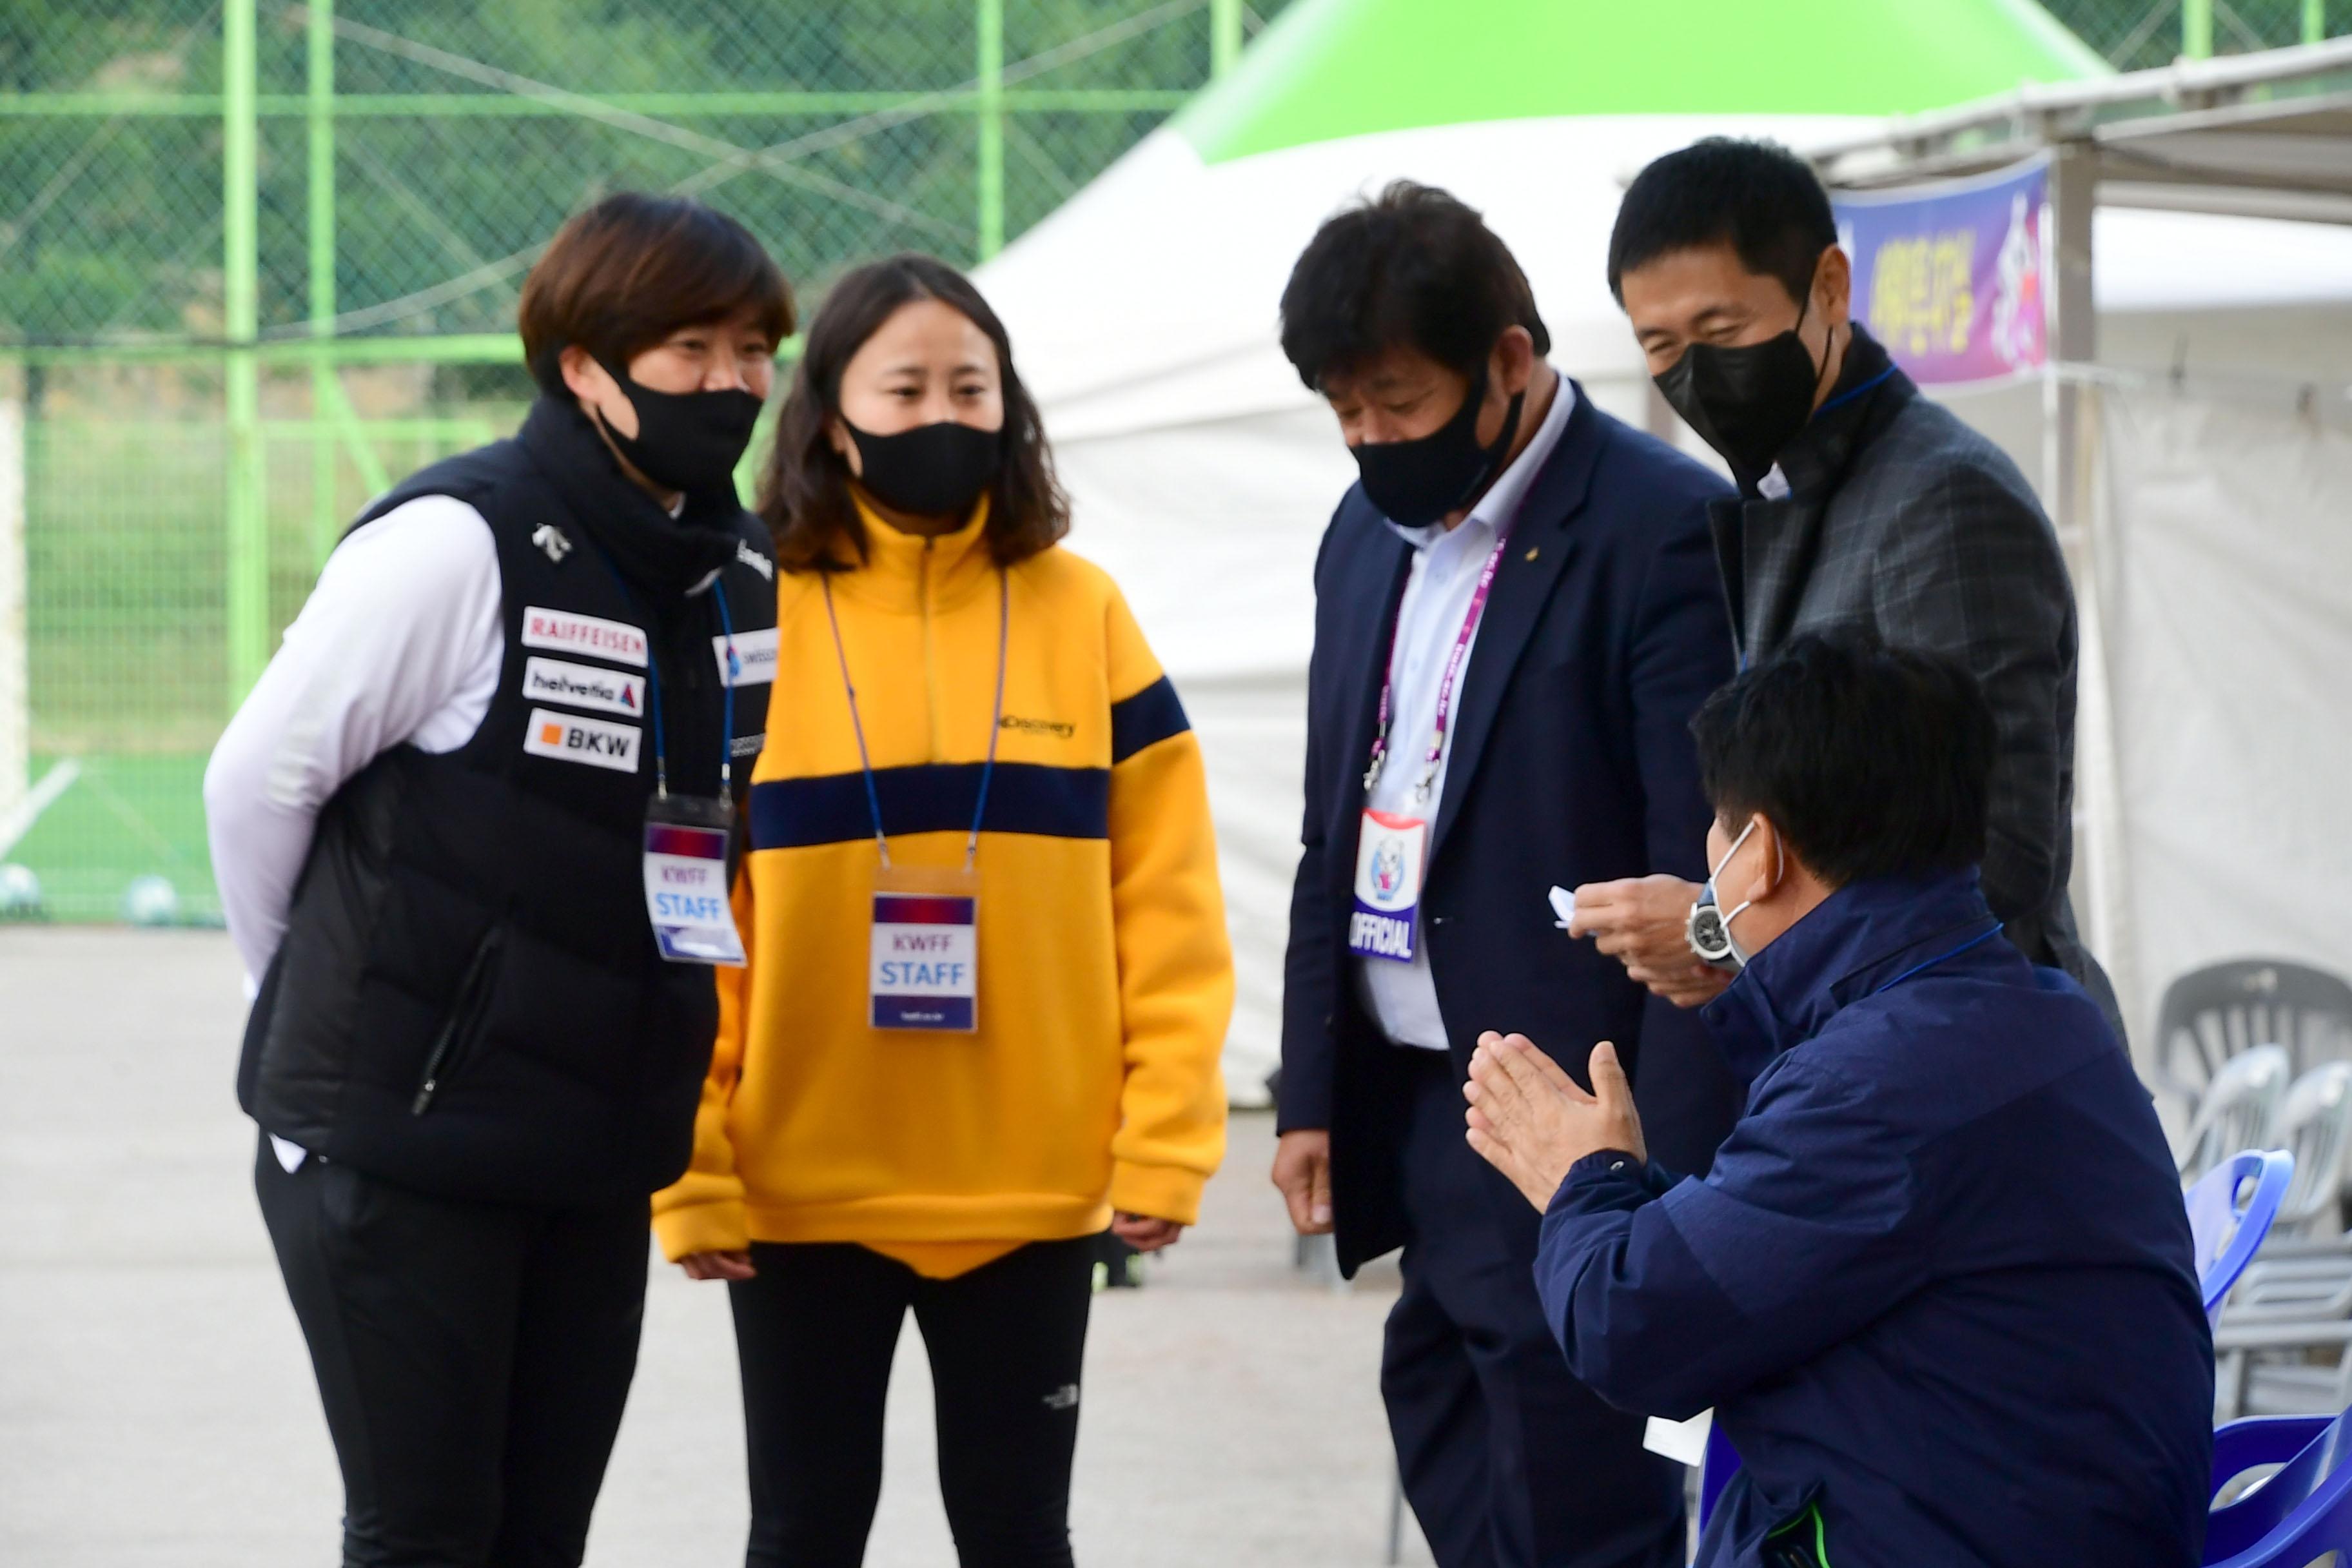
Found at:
<point>2223,1235</point>
<point>2305,1511</point>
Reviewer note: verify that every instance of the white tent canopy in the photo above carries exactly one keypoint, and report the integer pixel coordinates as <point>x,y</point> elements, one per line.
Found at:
<point>1203,472</point>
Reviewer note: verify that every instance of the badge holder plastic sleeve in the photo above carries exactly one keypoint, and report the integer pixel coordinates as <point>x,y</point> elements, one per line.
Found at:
<point>924,950</point>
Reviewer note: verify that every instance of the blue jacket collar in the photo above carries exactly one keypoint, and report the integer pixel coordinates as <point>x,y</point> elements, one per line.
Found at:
<point>1859,939</point>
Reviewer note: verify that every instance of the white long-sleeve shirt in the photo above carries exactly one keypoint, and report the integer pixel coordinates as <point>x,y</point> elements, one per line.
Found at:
<point>1439,586</point>
<point>400,642</point>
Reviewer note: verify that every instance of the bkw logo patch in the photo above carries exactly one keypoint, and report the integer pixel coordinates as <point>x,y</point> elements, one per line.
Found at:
<point>568,738</point>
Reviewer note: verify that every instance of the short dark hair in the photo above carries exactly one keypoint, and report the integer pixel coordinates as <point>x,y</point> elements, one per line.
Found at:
<point>1414,268</point>
<point>629,271</point>
<point>805,495</point>
<point>1872,760</point>
<point>1759,196</point>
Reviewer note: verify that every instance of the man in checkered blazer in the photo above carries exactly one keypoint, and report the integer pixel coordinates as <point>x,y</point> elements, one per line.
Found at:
<point>1861,504</point>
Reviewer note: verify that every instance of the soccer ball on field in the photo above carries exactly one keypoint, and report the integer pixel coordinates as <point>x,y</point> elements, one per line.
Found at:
<point>150,901</point>
<point>20,892</point>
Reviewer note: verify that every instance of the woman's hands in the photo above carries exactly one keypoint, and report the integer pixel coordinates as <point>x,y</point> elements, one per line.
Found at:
<point>1140,1232</point>
<point>1145,1234</point>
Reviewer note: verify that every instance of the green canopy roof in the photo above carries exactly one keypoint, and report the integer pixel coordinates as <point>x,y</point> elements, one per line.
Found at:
<point>1329,69</point>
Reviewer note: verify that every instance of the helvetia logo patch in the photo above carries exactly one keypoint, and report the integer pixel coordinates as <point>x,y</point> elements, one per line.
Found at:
<point>583,686</point>
<point>569,738</point>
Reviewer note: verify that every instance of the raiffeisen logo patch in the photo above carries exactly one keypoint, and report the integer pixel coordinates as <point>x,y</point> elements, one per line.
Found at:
<point>583,686</point>
<point>568,738</point>
<point>568,633</point>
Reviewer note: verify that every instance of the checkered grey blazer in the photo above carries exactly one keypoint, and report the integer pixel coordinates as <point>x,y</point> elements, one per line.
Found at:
<point>1901,518</point>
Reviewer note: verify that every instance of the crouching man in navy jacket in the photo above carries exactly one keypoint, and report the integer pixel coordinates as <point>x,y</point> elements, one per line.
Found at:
<point>1938,1285</point>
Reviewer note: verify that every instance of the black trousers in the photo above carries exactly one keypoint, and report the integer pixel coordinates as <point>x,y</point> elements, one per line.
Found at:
<point>473,1359</point>
<point>816,1330</point>
<point>1508,1461</point>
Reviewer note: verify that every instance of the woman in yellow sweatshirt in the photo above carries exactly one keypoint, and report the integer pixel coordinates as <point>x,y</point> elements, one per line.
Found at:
<point>989,976</point>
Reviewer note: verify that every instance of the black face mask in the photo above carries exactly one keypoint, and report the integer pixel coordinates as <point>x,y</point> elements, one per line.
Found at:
<point>1749,402</point>
<point>1416,482</point>
<point>687,441</point>
<point>932,470</point>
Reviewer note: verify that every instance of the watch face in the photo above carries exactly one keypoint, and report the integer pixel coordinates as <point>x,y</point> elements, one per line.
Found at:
<point>1709,937</point>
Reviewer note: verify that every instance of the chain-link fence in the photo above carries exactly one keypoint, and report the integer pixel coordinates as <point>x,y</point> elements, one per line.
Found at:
<point>258,260</point>
<point>2134,35</point>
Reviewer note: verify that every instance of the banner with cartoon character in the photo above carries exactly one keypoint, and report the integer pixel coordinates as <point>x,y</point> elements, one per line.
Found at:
<point>1949,276</point>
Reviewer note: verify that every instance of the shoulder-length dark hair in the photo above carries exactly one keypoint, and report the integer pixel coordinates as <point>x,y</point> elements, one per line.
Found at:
<point>805,495</point>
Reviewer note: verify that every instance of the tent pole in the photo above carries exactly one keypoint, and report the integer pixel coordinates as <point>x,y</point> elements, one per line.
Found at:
<point>2073,341</point>
<point>991,181</point>
<point>2073,327</point>
<point>247,588</point>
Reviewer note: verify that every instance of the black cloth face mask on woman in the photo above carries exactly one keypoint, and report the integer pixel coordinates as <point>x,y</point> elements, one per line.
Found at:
<point>1415,483</point>
<point>686,441</point>
<point>932,470</point>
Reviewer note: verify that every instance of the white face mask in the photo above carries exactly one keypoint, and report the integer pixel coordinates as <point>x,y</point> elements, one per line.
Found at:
<point>1708,930</point>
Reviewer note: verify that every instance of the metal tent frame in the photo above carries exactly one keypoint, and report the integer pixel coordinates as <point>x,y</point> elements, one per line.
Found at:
<point>2266,134</point>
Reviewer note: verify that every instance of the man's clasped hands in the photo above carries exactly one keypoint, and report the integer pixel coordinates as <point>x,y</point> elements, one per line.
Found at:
<point>1532,1121</point>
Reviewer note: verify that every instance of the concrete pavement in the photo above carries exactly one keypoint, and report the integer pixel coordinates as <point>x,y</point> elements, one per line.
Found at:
<point>156,1405</point>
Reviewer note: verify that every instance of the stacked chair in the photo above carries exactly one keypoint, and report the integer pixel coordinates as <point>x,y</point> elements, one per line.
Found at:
<point>2262,1049</point>
<point>2264,1052</point>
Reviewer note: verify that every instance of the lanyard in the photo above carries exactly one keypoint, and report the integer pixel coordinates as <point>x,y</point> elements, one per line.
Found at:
<point>653,687</point>
<point>995,722</point>
<point>1444,686</point>
<point>1977,941</point>
<point>1850,393</point>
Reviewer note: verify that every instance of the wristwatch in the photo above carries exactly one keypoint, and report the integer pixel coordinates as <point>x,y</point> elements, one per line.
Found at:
<point>1709,936</point>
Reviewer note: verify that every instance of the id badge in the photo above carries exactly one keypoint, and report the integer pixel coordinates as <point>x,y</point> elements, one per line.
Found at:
<point>685,879</point>
<point>924,967</point>
<point>1389,851</point>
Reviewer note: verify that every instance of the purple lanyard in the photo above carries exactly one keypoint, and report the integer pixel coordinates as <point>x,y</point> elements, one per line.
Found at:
<point>1445,686</point>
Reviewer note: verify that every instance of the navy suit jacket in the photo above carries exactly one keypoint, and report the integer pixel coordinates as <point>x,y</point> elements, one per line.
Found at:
<point>1572,762</point>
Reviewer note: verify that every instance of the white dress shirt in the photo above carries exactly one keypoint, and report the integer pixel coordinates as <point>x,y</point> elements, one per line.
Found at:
<point>1444,578</point>
<point>400,642</point>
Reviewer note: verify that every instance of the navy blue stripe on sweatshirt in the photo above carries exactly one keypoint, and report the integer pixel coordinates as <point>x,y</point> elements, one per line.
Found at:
<point>937,797</point>
<point>1145,719</point>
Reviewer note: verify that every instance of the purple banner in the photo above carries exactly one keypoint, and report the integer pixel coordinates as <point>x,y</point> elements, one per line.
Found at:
<point>1949,276</point>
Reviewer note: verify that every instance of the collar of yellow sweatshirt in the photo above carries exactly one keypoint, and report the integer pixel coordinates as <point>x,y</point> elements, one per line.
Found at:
<point>905,574</point>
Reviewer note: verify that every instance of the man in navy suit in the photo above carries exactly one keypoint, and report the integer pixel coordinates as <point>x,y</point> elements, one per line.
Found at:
<point>1516,616</point>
